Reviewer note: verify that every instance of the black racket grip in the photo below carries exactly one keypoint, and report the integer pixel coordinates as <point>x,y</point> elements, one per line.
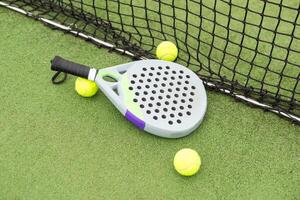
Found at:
<point>62,65</point>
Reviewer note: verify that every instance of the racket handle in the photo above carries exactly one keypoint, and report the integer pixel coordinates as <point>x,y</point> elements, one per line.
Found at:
<point>62,65</point>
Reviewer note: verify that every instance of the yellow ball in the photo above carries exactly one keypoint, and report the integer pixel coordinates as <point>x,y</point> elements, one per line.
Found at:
<point>85,88</point>
<point>166,51</point>
<point>187,162</point>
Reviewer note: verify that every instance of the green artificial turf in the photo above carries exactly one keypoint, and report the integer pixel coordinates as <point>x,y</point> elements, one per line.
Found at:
<point>55,144</point>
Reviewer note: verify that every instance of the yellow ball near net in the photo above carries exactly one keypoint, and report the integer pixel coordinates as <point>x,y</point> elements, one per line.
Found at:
<point>167,51</point>
<point>187,162</point>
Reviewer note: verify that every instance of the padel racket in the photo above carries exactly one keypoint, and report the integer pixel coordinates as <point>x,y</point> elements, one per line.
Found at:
<point>160,97</point>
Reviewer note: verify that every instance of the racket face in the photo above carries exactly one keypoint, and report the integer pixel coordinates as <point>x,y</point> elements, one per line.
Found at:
<point>163,98</point>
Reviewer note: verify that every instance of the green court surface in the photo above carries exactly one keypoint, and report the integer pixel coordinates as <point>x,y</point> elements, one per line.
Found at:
<point>55,144</point>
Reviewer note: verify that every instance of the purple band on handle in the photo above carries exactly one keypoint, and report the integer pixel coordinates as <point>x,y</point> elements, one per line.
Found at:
<point>134,119</point>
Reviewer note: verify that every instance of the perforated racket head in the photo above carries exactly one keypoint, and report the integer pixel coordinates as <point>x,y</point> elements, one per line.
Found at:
<point>162,98</point>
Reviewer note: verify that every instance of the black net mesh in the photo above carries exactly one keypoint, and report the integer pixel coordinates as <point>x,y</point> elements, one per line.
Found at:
<point>241,47</point>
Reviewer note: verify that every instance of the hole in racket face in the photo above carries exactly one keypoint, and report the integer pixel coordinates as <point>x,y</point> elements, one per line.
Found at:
<point>163,93</point>
<point>116,91</point>
<point>109,79</point>
<point>122,72</point>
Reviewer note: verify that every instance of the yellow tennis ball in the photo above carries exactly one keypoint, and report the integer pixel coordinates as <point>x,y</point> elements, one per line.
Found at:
<point>85,88</point>
<point>187,162</point>
<point>166,51</point>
